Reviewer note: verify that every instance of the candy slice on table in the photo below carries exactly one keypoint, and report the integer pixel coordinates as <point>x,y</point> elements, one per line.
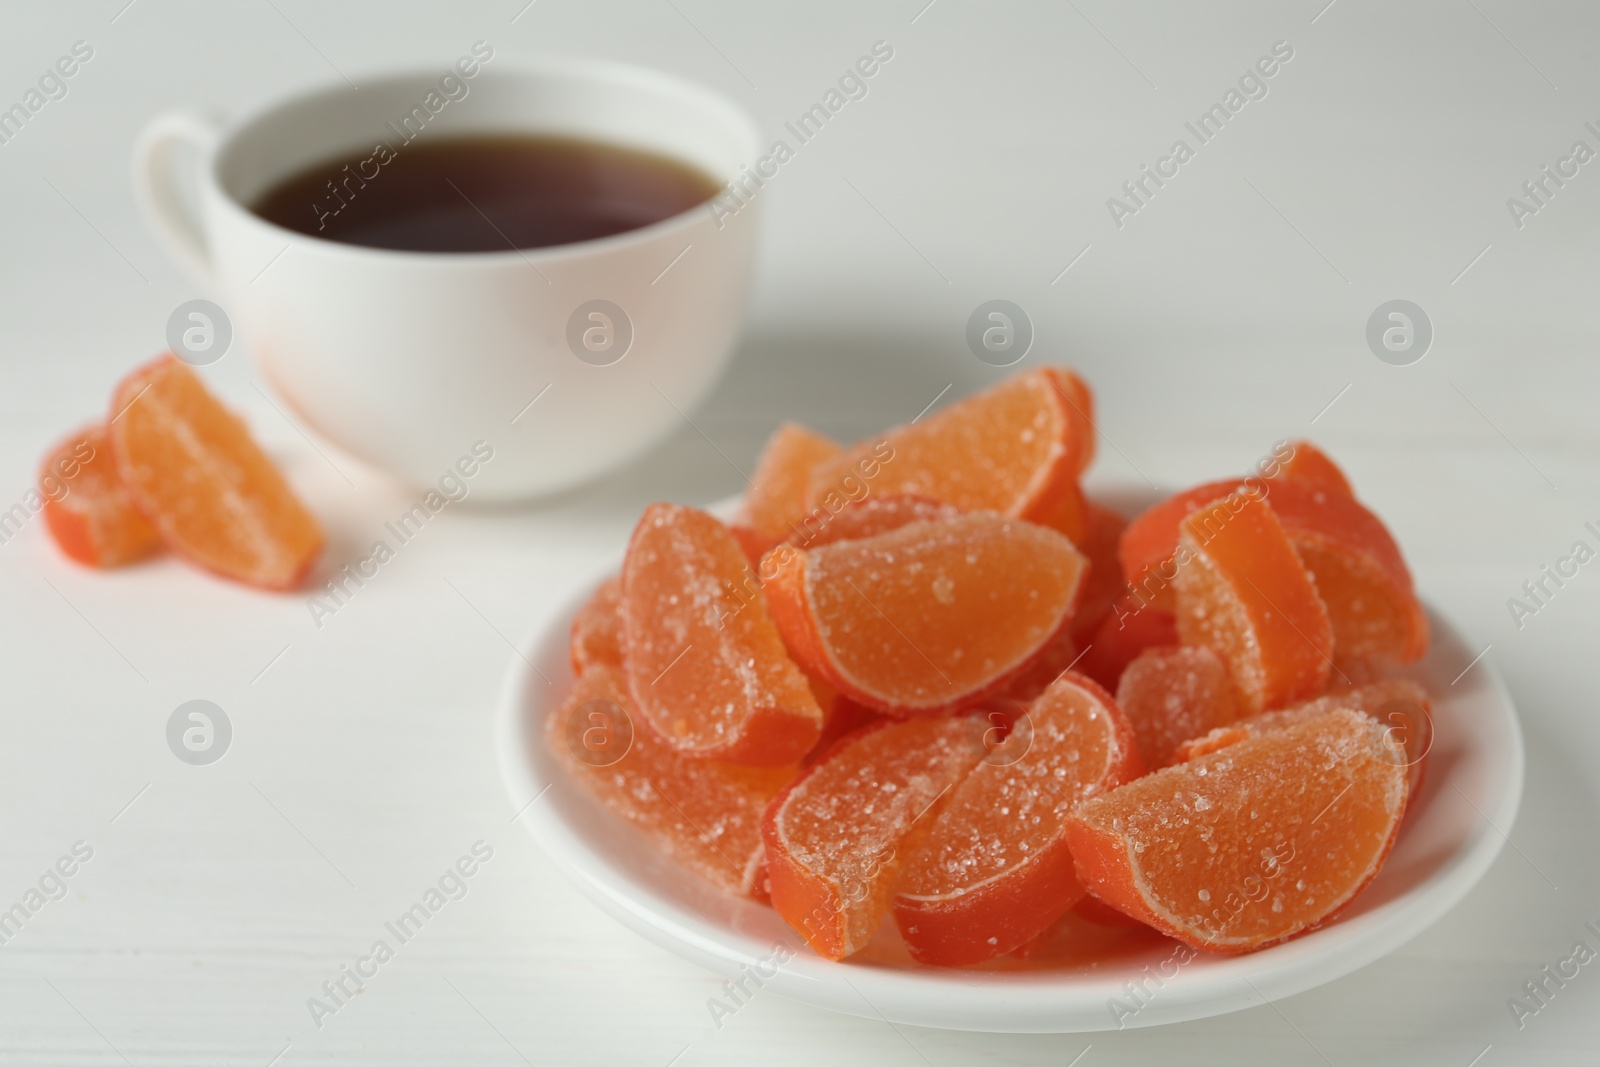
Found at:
<point>1308,465</point>
<point>87,509</point>
<point>869,517</point>
<point>703,813</point>
<point>780,487</point>
<point>1016,449</point>
<point>597,629</point>
<point>1360,574</point>
<point>1399,705</point>
<point>1243,593</point>
<point>204,484</point>
<point>1122,636</point>
<point>1104,583</point>
<point>1252,844</point>
<point>993,870</point>
<point>837,835</point>
<point>1173,694</point>
<point>931,616</point>
<point>705,664</point>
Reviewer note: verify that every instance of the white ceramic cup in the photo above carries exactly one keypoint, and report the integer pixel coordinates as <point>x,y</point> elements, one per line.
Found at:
<point>406,359</point>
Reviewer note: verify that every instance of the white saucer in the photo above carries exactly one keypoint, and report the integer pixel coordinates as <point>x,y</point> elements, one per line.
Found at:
<point>1453,833</point>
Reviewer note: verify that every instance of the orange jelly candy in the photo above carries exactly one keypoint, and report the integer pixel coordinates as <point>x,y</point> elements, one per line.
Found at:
<point>868,518</point>
<point>840,716</point>
<point>1243,593</point>
<point>706,667</point>
<point>705,814</point>
<point>87,508</point>
<point>204,484</point>
<point>1148,542</point>
<point>1252,844</point>
<point>1173,694</point>
<point>928,617</point>
<point>1075,645</point>
<point>836,836</point>
<point>1102,914</point>
<point>752,542</point>
<point>597,629</point>
<point>1121,636</point>
<point>994,870</point>
<point>1067,511</point>
<point>1058,654</point>
<point>1105,581</point>
<point>1309,465</point>
<point>1016,448</point>
<point>1360,573</point>
<point>1079,399</point>
<point>1399,705</point>
<point>780,488</point>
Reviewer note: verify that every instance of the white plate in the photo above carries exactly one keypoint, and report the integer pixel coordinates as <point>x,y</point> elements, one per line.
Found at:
<point>1454,831</point>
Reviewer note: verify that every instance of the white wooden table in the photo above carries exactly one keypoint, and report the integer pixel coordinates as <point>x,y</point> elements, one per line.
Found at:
<point>1227,312</point>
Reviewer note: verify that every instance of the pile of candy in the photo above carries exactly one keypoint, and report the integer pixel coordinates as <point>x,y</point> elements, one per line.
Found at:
<point>886,689</point>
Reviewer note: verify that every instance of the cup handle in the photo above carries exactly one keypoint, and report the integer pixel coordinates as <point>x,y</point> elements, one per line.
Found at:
<point>174,218</point>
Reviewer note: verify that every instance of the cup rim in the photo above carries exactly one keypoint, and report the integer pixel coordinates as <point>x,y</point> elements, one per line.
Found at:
<point>572,67</point>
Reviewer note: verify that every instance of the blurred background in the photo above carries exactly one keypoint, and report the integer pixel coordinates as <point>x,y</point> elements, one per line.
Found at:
<point>1229,310</point>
